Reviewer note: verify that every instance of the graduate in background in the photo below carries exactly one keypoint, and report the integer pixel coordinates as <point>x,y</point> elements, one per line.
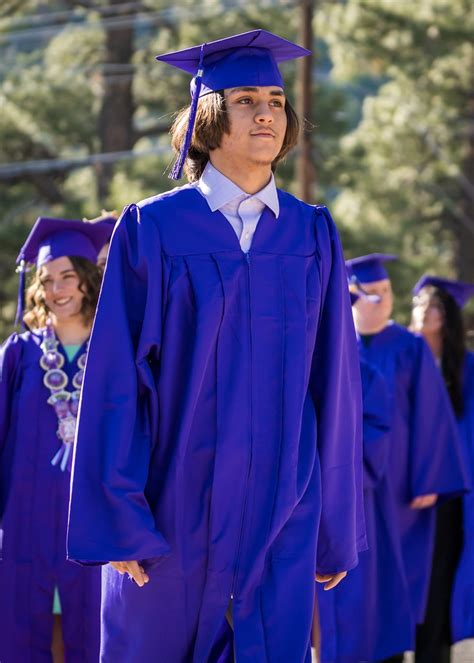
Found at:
<point>40,378</point>
<point>218,458</point>
<point>358,619</point>
<point>109,219</point>
<point>425,454</point>
<point>437,314</point>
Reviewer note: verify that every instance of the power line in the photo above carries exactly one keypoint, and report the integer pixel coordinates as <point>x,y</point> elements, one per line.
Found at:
<point>136,20</point>
<point>169,15</point>
<point>9,170</point>
<point>55,17</point>
<point>104,68</point>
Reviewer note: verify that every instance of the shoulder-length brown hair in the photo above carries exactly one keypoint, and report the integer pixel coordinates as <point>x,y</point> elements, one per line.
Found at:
<point>90,278</point>
<point>212,121</point>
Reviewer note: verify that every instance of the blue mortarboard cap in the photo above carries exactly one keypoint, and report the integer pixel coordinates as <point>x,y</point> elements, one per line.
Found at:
<point>247,59</point>
<point>459,291</point>
<point>54,238</point>
<point>370,268</point>
<point>107,221</point>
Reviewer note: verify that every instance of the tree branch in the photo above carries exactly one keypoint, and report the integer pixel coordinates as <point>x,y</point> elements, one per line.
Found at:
<point>152,130</point>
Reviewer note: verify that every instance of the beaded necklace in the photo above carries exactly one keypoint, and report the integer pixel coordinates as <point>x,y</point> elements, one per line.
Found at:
<point>65,403</point>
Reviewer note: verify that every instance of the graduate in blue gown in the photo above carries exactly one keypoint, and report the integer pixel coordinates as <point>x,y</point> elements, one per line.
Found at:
<point>358,621</point>
<point>437,314</point>
<point>108,220</point>
<point>40,374</point>
<point>218,457</point>
<point>425,454</point>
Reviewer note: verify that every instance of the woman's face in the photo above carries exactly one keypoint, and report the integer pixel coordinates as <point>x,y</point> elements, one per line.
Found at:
<point>427,316</point>
<point>374,315</point>
<point>61,292</point>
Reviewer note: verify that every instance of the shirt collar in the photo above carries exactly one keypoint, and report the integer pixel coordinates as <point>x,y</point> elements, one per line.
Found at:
<point>220,190</point>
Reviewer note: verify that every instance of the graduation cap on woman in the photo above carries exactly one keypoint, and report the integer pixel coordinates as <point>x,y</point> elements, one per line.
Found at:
<point>107,219</point>
<point>249,59</point>
<point>55,238</point>
<point>459,291</point>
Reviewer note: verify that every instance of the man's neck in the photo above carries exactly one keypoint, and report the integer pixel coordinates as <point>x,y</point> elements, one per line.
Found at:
<point>365,329</point>
<point>251,179</point>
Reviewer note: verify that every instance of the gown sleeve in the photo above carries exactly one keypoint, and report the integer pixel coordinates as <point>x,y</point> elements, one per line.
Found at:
<point>336,390</point>
<point>10,361</point>
<point>109,517</point>
<point>376,424</point>
<point>438,463</point>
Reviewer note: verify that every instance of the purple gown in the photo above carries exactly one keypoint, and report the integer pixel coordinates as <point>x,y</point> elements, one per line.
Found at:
<point>425,453</point>
<point>33,521</point>
<point>368,616</point>
<point>462,621</point>
<point>219,431</point>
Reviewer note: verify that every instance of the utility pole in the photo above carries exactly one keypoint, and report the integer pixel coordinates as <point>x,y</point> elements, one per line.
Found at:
<point>305,171</point>
<point>116,114</point>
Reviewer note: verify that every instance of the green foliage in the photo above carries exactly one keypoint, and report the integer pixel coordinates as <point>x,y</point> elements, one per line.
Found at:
<point>51,91</point>
<point>401,170</point>
<point>389,114</point>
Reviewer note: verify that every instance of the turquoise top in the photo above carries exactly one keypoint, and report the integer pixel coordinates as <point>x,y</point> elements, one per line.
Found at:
<point>71,351</point>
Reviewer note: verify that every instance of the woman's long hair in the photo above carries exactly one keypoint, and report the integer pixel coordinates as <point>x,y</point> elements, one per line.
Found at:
<point>454,347</point>
<point>90,279</point>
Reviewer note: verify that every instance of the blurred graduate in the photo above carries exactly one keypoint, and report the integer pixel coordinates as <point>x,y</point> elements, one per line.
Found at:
<point>358,619</point>
<point>109,220</point>
<point>425,458</point>
<point>218,458</point>
<point>437,314</point>
<point>40,379</point>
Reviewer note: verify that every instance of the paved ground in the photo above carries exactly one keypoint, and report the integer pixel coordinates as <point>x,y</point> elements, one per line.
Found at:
<point>463,652</point>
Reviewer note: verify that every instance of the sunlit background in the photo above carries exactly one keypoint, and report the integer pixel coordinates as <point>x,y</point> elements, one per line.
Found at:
<point>85,110</point>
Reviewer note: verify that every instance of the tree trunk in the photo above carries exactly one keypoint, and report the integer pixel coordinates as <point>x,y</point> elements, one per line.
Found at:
<point>116,113</point>
<point>465,234</point>
<point>305,172</point>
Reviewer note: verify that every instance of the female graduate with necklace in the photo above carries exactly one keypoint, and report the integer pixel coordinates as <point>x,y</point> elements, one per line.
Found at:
<point>437,314</point>
<point>40,380</point>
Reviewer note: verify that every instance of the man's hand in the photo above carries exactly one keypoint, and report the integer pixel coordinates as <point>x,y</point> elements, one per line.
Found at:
<point>424,501</point>
<point>331,579</point>
<point>134,571</point>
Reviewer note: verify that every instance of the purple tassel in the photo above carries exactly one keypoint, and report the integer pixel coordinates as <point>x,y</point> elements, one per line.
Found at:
<point>21,269</point>
<point>375,299</point>
<point>63,455</point>
<point>177,170</point>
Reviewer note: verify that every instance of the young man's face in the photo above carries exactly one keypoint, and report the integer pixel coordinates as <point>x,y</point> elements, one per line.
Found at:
<point>374,315</point>
<point>257,121</point>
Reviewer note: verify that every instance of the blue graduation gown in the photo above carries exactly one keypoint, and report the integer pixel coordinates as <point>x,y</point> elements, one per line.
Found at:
<point>219,430</point>
<point>462,621</point>
<point>34,499</point>
<point>425,454</point>
<point>368,617</point>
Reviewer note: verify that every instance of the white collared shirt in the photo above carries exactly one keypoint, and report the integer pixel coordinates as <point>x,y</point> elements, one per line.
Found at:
<point>241,209</point>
